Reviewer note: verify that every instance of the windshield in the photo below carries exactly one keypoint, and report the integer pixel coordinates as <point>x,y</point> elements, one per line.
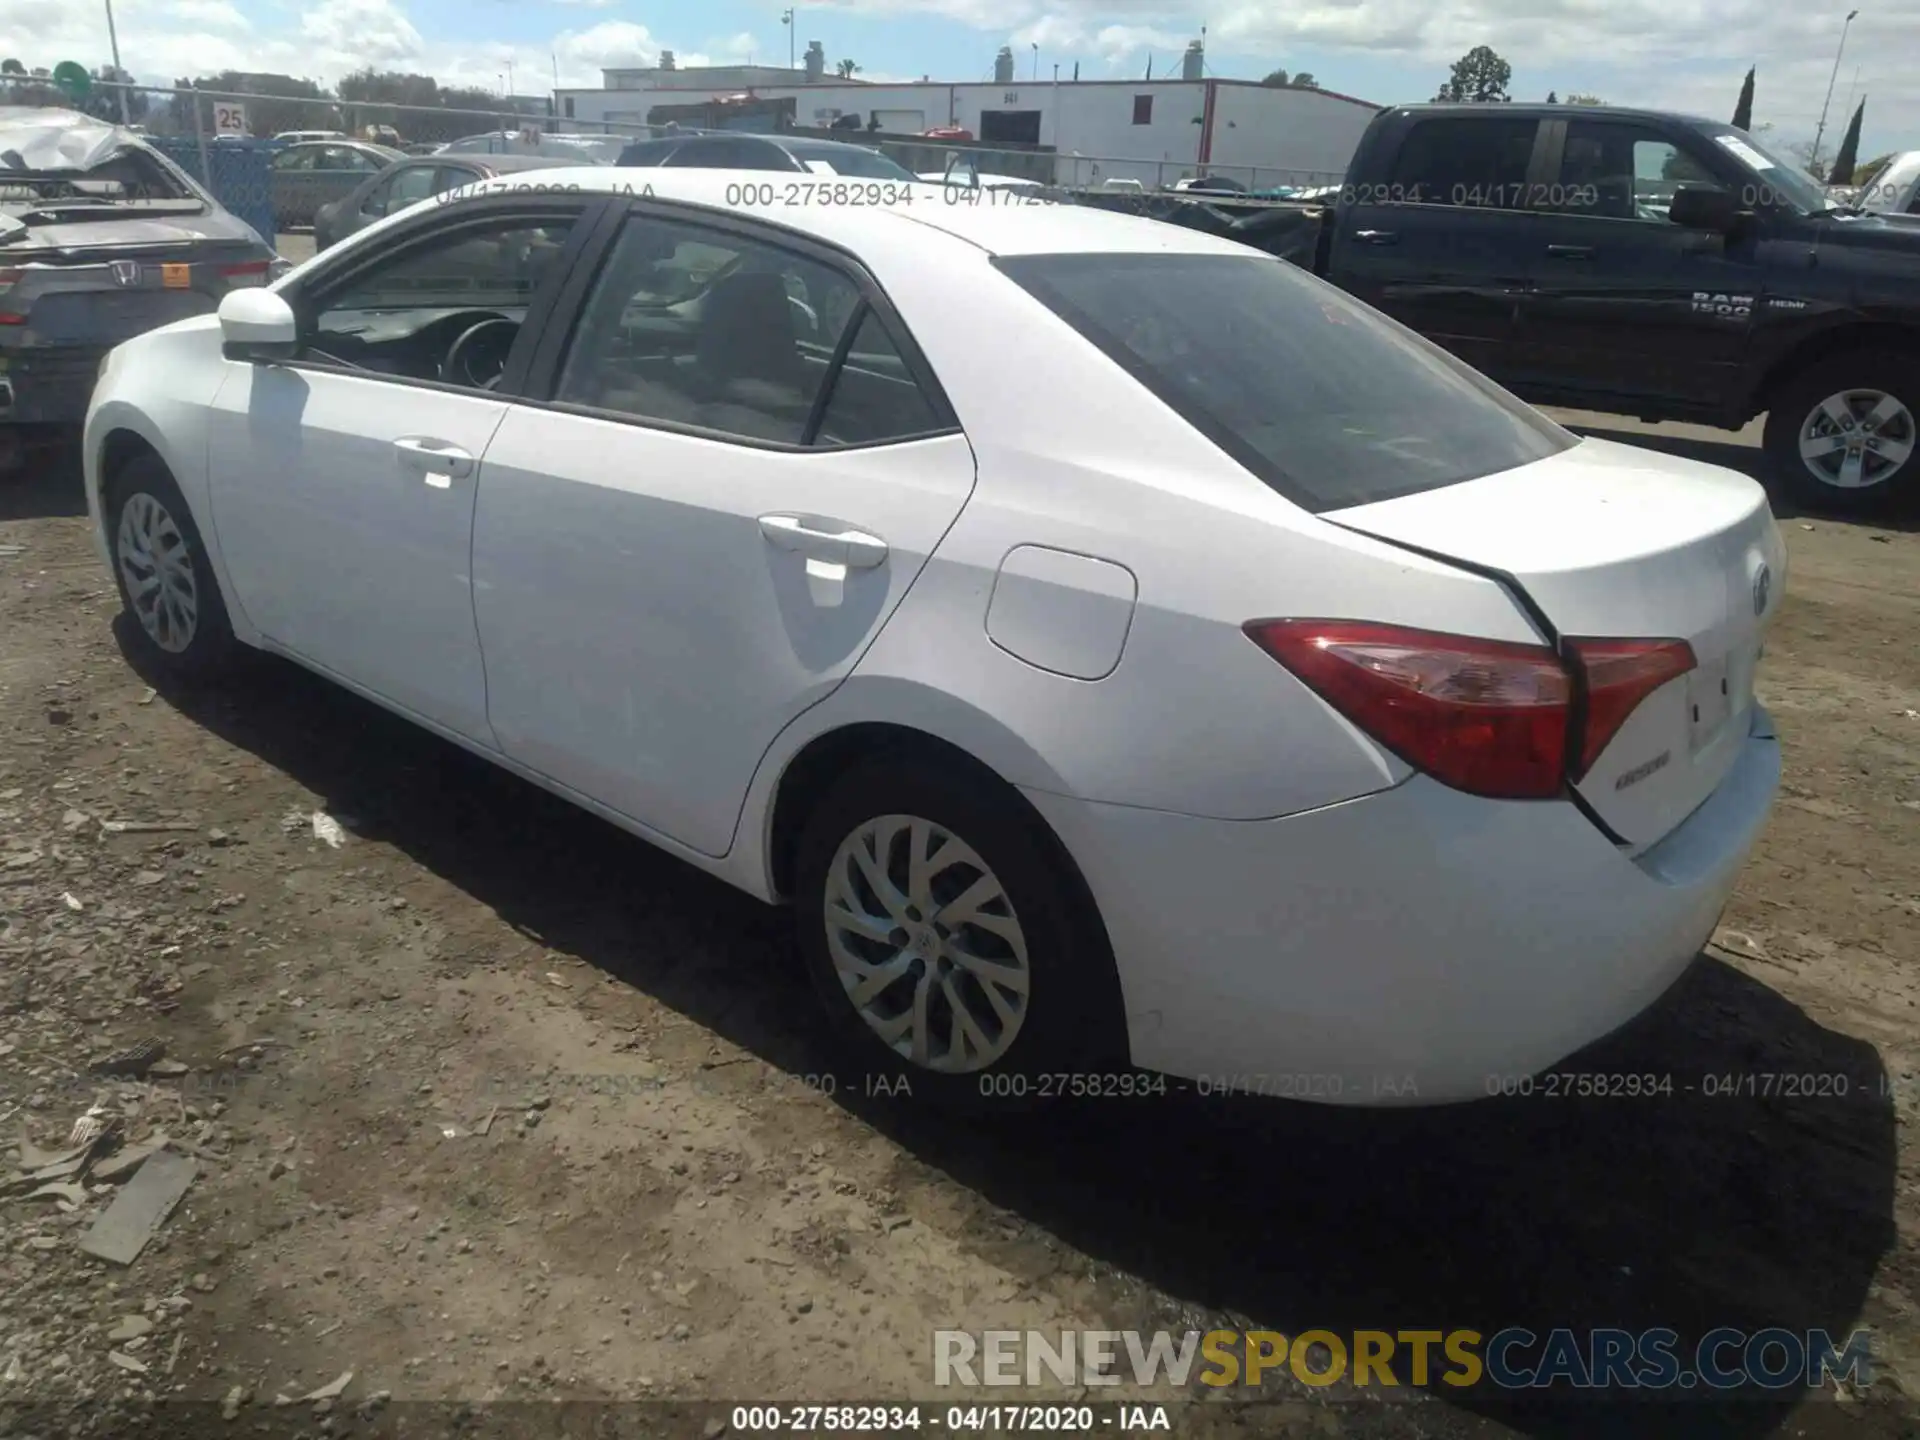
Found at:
<point>1775,181</point>
<point>1325,399</point>
<point>852,160</point>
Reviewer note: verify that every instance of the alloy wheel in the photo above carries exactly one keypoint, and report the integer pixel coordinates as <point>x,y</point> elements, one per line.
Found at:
<point>1857,438</point>
<point>926,945</point>
<point>156,563</point>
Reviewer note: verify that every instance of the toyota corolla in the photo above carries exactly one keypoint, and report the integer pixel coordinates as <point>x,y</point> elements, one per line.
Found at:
<point>1125,652</point>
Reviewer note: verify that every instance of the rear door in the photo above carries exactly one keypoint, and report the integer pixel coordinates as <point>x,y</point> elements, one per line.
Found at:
<point>738,471</point>
<point>1610,542</point>
<point>1622,301</point>
<point>1442,240</point>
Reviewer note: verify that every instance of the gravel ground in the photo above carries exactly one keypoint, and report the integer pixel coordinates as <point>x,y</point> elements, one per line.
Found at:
<point>489,1101</point>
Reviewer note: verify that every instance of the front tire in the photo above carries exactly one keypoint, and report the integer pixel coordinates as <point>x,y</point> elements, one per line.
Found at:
<point>1843,434</point>
<point>165,579</point>
<point>956,952</point>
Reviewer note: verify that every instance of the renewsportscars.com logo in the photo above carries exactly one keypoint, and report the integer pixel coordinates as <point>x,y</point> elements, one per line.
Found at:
<point>1511,1359</point>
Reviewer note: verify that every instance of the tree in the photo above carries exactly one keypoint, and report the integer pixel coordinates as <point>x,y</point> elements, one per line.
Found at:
<point>846,69</point>
<point>1276,80</point>
<point>1843,163</point>
<point>1743,107</point>
<point>1479,76</point>
<point>1552,98</point>
<point>275,103</point>
<point>12,67</point>
<point>1303,81</point>
<point>1573,99</point>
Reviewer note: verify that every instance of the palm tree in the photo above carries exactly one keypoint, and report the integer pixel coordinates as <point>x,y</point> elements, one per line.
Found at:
<point>847,69</point>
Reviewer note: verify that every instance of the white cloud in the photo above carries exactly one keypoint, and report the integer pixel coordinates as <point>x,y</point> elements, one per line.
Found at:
<point>214,14</point>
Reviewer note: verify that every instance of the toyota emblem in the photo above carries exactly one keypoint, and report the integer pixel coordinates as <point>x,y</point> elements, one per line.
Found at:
<point>126,272</point>
<point>1762,587</point>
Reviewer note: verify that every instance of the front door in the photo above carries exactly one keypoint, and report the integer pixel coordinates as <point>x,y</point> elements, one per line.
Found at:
<point>343,483</point>
<point>743,468</point>
<point>1623,302</point>
<point>1442,243</point>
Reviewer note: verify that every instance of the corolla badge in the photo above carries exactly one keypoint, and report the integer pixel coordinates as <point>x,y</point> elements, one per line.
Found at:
<point>1762,588</point>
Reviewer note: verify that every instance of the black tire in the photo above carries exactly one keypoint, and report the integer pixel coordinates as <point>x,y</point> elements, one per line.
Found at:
<point>1793,406</point>
<point>209,647</point>
<point>1070,1040</point>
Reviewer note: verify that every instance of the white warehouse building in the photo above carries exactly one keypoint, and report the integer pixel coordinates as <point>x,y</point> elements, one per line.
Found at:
<point>1155,131</point>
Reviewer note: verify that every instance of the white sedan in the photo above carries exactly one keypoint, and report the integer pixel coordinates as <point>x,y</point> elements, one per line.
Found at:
<point>1158,663</point>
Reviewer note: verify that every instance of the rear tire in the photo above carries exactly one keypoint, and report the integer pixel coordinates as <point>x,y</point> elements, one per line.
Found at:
<point>1844,434</point>
<point>979,976</point>
<point>160,566</point>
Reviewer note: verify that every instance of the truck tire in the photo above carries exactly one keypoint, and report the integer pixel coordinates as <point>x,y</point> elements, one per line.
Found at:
<point>1844,433</point>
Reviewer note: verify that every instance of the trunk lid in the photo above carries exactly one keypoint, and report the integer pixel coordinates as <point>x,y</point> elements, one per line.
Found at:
<point>1607,540</point>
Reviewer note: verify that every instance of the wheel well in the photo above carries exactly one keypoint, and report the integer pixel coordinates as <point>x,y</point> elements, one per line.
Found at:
<point>1825,346</point>
<point>827,757</point>
<point>121,448</point>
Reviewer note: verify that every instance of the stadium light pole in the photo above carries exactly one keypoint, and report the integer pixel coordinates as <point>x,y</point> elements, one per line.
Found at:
<point>1822,128</point>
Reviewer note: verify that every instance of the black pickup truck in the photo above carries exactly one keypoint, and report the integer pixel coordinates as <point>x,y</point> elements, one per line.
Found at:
<point>1633,262</point>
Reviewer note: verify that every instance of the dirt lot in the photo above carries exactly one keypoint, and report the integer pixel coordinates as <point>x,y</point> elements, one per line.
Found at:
<point>666,1206</point>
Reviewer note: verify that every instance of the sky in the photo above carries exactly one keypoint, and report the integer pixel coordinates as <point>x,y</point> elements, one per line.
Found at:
<point>1644,52</point>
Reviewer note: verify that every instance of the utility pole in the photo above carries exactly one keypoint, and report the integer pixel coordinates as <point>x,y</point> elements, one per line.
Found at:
<point>119,75</point>
<point>1036,60</point>
<point>786,19</point>
<point>1822,130</point>
<point>516,106</point>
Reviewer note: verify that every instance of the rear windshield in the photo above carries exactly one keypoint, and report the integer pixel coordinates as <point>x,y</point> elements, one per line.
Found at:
<point>1325,399</point>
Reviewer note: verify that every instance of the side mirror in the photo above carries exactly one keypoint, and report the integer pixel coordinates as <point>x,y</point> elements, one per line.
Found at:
<point>258,326</point>
<point>1703,207</point>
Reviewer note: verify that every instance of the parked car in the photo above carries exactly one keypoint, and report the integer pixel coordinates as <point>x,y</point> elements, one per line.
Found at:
<point>1161,660</point>
<point>300,137</point>
<point>1893,189</point>
<point>766,152</point>
<point>1646,264</point>
<point>311,174</point>
<point>1209,185</point>
<point>101,237</point>
<point>578,149</point>
<point>407,182</point>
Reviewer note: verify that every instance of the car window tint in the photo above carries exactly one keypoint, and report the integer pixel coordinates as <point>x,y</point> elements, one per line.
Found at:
<point>875,397</point>
<point>1319,395</point>
<point>647,152</point>
<point>406,187</point>
<point>854,160</point>
<point>452,177</point>
<point>1469,161</point>
<point>1622,172</point>
<point>726,154</point>
<point>400,316</point>
<point>295,159</point>
<point>703,328</point>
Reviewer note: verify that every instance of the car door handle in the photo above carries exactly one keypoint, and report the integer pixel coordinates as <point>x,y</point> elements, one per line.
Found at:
<point>839,545</point>
<point>1570,252</point>
<point>1377,237</point>
<point>433,457</point>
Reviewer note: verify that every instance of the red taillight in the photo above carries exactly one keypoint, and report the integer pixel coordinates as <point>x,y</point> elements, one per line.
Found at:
<point>250,267</point>
<point>1619,675</point>
<point>1485,716</point>
<point>8,318</point>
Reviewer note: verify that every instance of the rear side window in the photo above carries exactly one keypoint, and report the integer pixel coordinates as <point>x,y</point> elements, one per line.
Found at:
<point>1474,161</point>
<point>1325,399</point>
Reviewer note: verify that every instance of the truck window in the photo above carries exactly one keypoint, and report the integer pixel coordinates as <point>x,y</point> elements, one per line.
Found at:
<point>1469,160</point>
<point>1323,398</point>
<point>1622,172</point>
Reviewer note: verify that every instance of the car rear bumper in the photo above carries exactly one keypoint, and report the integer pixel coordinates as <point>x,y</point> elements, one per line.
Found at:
<point>49,384</point>
<point>1417,945</point>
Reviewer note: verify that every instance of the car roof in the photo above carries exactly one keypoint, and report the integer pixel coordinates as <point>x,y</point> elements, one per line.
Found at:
<point>1543,111</point>
<point>820,209</point>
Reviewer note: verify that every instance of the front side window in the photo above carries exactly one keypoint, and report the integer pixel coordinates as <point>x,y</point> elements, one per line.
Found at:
<point>407,187</point>
<point>1325,399</point>
<point>853,160</point>
<point>296,159</point>
<point>404,316</point>
<point>1622,172</point>
<point>1476,162</point>
<point>726,154</point>
<point>703,328</point>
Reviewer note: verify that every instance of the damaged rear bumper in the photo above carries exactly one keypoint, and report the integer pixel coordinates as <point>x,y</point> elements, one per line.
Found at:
<point>48,384</point>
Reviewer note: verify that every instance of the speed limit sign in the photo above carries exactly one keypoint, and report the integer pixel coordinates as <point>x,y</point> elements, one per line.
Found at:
<point>229,119</point>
